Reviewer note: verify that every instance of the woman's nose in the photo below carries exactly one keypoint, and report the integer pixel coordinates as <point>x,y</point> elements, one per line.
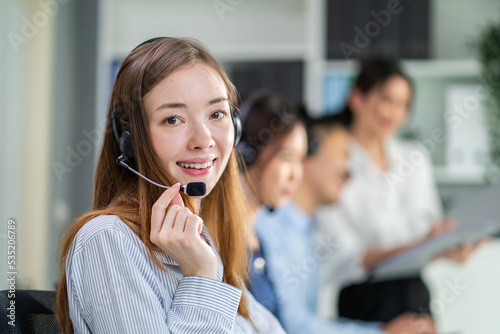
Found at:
<point>296,174</point>
<point>200,137</point>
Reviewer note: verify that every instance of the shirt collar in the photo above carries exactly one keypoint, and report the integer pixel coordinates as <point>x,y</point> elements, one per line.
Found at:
<point>360,160</point>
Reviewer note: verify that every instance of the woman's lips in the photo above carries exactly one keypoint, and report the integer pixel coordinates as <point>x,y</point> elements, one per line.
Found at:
<point>196,169</point>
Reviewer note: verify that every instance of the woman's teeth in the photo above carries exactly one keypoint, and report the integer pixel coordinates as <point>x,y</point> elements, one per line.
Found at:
<point>196,166</point>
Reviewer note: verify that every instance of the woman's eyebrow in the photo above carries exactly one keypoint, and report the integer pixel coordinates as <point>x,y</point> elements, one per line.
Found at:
<point>179,105</point>
<point>286,149</point>
<point>173,105</point>
<point>217,100</point>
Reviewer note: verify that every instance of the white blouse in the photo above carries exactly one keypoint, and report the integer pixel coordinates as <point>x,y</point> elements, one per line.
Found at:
<point>380,208</point>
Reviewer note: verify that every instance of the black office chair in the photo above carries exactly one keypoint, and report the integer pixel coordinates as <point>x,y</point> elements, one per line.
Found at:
<point>34,312</point>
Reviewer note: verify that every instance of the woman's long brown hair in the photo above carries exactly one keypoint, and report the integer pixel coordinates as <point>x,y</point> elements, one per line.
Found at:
<point>120,192</point>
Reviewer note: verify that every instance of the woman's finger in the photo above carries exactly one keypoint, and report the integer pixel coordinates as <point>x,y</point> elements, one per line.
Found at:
<point>169,221</point>
<point>180,220</point>
<point>450,224</point>
<point>158,211</point>
<point>177,200</point>
<point>194,225</point>
<point>156,236</point>
<point>481,242</point>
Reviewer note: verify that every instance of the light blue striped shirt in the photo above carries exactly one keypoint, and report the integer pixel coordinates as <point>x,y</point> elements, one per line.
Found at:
<point>114,287</point>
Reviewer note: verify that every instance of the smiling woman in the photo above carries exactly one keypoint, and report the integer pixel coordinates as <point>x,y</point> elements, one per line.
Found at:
<point>173,109</point>
<point>149,261</point>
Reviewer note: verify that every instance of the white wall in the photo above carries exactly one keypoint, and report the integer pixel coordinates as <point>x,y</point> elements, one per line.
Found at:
<point>12,122</point>
<point>455,23</point>
<point>245,26</point>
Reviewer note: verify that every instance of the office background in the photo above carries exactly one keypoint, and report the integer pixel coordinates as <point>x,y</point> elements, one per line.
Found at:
<point>58,58</point>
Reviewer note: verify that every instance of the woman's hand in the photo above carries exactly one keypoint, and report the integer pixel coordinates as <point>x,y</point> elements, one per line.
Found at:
<point>463,252</point>
<point>442,226</point>
<point>374,255</point>
<point>410,323</point>
<point>176,231</point>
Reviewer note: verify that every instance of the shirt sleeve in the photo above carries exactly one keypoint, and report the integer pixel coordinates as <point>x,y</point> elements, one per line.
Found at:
<point>112,289</point>
<point>344,250</point>
<point>289,280</point>
<point>422,202</point>
<point>263,320</point>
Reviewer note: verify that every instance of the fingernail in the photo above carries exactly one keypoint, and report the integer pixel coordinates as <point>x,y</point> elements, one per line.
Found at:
<point>177,185</point>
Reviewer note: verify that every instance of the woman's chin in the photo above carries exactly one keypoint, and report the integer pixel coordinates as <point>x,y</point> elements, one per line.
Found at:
<point>389,132</point>
<point>280,201</point>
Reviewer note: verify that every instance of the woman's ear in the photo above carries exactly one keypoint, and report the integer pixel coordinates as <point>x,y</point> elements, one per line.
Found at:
<point>355,100</point>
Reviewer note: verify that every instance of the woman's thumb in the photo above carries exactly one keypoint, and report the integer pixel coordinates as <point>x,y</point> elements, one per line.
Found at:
<point>177,199</point>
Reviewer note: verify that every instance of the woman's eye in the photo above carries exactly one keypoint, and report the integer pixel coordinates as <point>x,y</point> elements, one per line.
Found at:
<point>172,120</point>
<point>218,114</point>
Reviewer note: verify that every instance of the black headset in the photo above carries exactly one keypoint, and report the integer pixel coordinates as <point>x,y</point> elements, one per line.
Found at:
<point>123,134</point>
<point>246,149</point>
<point>123,138</point>
<point>313,143</point>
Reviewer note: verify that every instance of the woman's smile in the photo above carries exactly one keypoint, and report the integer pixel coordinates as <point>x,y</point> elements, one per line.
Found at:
<point>197,167</point>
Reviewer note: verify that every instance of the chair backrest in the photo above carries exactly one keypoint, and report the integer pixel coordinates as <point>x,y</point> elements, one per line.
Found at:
<point>33,313</point>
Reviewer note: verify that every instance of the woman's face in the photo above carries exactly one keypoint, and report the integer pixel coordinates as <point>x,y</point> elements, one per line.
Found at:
<point>190,124</point>
<point>385,108</point>
<point>278,170</point>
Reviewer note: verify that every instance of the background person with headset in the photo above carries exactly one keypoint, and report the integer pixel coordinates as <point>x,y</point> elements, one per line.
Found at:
<point>148,260</point>
<point>294,253</point>
<point>272,148</point>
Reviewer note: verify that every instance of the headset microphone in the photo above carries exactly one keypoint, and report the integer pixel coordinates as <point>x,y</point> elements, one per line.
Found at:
<point>191,189</point>
<point>269,208</point>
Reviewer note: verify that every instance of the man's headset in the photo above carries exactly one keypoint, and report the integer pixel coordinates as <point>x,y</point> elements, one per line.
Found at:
<point>124,139</point>
<point>247,149</point>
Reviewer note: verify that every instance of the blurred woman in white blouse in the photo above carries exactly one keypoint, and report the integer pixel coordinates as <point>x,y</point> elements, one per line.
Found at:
<point>391,202</point>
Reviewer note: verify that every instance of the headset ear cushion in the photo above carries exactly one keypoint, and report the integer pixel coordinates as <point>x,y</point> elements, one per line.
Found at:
<point>238,127</point>
<point>126,145</point>
<point>247,152</point>
<point>312,145</point>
